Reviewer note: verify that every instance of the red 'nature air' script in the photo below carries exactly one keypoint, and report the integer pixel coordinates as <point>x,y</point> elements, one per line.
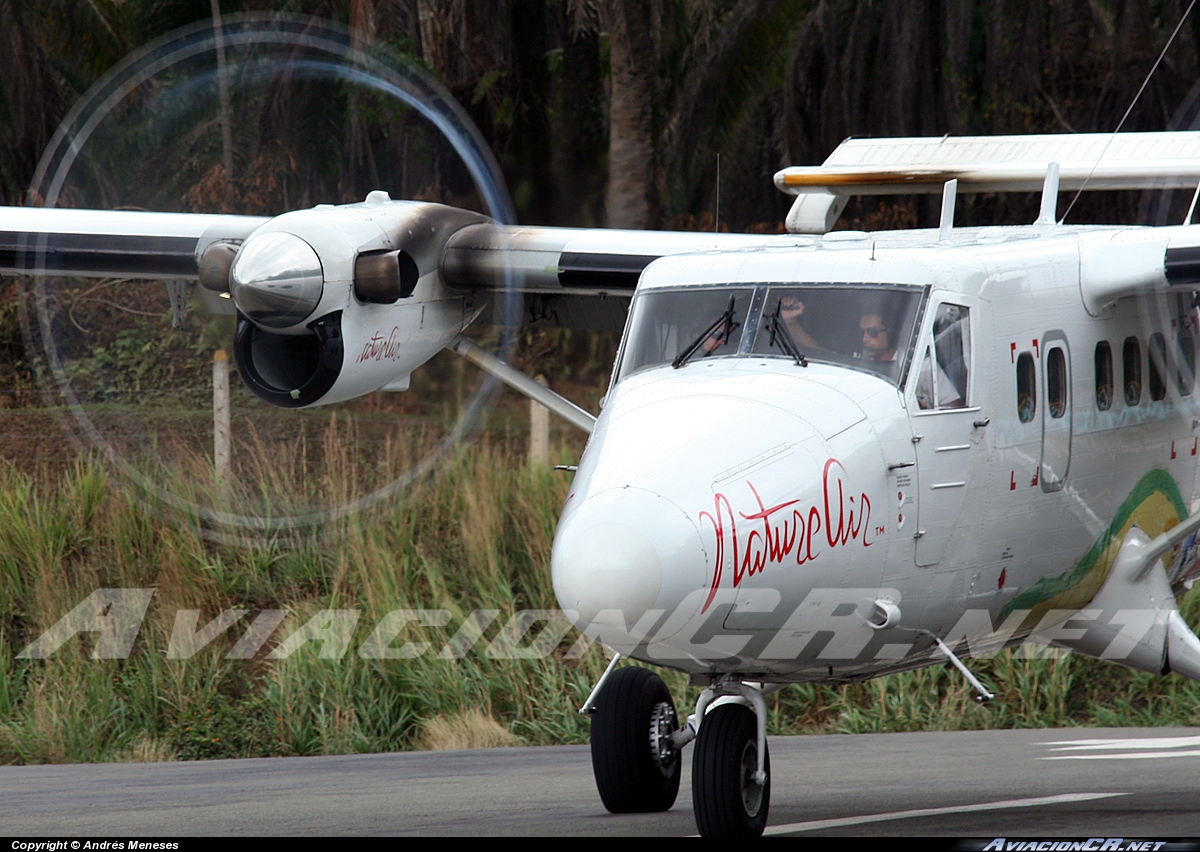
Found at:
<point>378,349</point>
<point>775,533</point>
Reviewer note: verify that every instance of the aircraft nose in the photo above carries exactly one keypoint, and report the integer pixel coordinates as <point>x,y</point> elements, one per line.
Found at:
<point>625,549</point>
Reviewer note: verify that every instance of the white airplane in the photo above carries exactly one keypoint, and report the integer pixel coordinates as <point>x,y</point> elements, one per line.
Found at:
<point>825,456</point>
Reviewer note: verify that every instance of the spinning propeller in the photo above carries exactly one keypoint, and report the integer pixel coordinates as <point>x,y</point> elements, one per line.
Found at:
<point>124,309</point>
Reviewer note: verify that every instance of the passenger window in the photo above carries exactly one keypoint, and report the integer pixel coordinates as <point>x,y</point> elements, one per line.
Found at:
<point>1158,366</point>
<point>1132,359</point>
<point>1104,376</point>
<point>1056,382</point>
<point>1026,387</point>
<point>1185,357</point>
<point>944,380</point>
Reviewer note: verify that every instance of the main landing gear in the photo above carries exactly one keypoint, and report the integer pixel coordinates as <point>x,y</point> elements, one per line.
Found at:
<point>637,743</point>
<point>636,764</point>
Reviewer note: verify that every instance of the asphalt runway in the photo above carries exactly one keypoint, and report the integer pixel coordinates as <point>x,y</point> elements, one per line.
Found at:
<point>1085,782</point>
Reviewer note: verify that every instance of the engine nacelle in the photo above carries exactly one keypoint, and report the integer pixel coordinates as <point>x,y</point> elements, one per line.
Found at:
<point>337,302</point>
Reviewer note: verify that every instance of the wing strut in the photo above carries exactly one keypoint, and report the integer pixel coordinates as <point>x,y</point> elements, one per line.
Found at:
<point>984,695</point>
<point>522,383</point>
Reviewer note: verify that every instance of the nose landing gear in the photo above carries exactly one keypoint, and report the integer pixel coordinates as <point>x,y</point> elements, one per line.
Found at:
<point>637,742</point>
<point>636,764</point>
<point>728,798</point>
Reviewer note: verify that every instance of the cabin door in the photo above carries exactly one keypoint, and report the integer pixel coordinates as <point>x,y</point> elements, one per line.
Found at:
<point>944,410</point>
<point>1056,411</point>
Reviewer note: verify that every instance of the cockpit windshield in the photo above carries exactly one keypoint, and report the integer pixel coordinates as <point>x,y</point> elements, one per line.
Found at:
<point>865,326</point>
<point>666,323</point>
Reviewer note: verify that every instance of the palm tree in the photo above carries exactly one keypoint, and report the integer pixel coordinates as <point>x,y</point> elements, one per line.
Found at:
<point>53,51</point>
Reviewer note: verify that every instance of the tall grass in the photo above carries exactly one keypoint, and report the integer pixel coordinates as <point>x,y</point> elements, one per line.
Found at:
<point>476,535</point>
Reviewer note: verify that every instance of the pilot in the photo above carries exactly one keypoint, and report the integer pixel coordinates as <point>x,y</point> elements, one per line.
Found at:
<point>791,309</point>
<point>876,342</point>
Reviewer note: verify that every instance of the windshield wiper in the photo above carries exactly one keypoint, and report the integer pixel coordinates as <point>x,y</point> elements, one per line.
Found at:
<point>779,331</point>
<point>724,322</point>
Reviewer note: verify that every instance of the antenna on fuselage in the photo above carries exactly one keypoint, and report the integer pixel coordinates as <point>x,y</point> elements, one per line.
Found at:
<point>717,206</point>
<point>1049,197</point>
<point>949,196</point>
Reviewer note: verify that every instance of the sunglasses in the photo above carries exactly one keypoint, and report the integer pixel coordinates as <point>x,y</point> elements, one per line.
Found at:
<point>873,332</point>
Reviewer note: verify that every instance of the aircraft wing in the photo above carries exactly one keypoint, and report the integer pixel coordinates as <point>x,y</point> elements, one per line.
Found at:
<point>922,165</point>
<point>564,275</point>
<point>338,301</point>
<point>111,243</point>
<point>569,277</point>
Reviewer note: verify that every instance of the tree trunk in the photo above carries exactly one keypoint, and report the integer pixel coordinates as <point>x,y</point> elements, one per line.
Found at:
<point>631,197</point>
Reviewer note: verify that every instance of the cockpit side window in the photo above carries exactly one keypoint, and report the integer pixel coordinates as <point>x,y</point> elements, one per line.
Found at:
<point>944,380</point>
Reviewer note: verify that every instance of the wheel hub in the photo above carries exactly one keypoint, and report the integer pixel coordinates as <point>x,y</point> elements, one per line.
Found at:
<point>752,791</point>
<point>663,723</point>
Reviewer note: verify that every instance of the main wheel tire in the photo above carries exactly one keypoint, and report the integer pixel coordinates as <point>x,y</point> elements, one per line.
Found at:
<point>726,800</point>
<point>631,777</point>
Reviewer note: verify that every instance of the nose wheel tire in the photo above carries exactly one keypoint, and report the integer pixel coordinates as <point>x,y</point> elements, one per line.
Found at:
<point>636,766</point>
<point>726,799</point>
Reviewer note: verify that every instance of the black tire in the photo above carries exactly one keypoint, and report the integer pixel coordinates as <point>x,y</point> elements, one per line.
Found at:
<point>725,798</point>
<point>628,777</point>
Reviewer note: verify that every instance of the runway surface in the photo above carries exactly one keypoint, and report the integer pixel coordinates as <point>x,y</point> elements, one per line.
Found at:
<point>1087,782</point>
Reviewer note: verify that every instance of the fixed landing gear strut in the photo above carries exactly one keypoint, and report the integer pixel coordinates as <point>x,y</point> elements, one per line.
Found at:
<point>637,745</point>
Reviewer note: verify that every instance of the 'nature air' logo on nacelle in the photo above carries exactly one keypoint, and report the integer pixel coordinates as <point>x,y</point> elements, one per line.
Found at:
<point>773,535</point>
<point>380,349</point>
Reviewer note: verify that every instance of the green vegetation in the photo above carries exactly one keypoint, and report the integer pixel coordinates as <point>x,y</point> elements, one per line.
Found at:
<point>475,536</point>
<point>445,546</point>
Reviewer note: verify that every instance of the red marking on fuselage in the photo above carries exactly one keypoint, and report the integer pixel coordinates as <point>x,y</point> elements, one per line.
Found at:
<point>786,529</point>
<point>1012,481</point>
<point>380,349</point>
<point>1195,444</point>
<point>1012,352</point>
<point>1172,450</point>
<point>1036,351</point>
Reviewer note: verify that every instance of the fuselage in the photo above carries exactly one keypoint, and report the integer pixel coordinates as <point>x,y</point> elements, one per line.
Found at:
<point>745,512</point>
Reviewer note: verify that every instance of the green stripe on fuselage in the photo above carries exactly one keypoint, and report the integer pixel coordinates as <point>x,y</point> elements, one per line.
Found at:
<point>1093,568</point>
